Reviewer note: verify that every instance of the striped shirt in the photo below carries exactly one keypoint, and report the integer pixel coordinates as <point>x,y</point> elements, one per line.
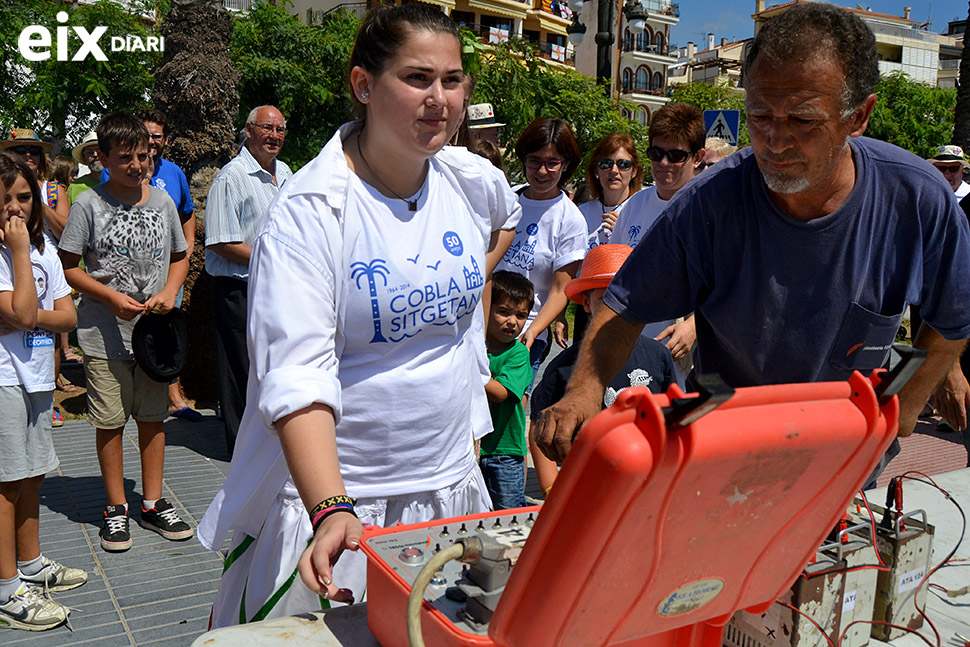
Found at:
<point>238,199</point>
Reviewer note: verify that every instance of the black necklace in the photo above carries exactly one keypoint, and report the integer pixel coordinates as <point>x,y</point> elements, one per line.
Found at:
<point>412,204</point>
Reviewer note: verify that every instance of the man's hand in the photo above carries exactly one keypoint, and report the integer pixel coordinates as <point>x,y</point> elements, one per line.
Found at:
<point>952,398</point>
<point>560,422</point>
<point>125,307</point>
<point>681,338</point>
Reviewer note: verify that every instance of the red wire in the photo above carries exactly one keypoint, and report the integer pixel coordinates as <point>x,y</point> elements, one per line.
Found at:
<point>872,526</point>
<point>810,619</point>
<point>887,624</point>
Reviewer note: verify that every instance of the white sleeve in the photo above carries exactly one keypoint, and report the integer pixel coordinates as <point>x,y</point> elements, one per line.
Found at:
<point>504,203</point>
<point>294,284</point>
<point>59,287</point>
<point>572,239</point>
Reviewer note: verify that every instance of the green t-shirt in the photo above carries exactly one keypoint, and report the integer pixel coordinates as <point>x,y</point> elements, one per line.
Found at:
<point>81,185</point>
<point>512,369</point>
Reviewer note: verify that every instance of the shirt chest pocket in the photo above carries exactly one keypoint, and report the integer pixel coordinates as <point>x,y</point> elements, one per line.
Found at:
<point>864,341</point>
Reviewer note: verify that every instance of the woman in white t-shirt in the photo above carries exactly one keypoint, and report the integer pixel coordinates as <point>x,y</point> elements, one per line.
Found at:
<point>550,241</point>
<point>364,281</point>
<point>613,174</point>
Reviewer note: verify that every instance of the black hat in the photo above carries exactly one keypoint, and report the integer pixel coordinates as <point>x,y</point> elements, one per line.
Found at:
<point>160,343</point>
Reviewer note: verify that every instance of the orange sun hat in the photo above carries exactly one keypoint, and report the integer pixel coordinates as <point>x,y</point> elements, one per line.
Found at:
<point>600,265</point>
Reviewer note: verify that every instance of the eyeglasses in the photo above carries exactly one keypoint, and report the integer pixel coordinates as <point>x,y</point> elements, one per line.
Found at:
<point>36,151</point>
<point>675,155</point>
<point>280,130</point>
<point>156,135</point>
<point>607,164</point>
<point>956,168</point>
<point>534,164</point>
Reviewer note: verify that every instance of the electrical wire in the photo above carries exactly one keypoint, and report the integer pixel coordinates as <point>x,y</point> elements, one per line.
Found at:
<point>809,618</point>
<point>420,585</point>
<point>872,523</point>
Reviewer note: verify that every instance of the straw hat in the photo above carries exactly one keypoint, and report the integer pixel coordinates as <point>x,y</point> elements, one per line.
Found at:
<point>89,139</point>
<point>600,265</point>
<point>948,154</point>
<point>24,137</point>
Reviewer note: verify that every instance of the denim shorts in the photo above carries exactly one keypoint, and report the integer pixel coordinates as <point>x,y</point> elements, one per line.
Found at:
<point>505,480</point>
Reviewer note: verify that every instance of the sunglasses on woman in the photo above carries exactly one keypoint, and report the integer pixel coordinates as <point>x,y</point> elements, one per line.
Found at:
<point>36,151</point>
<point>607,164</point>
<point>675,155</point>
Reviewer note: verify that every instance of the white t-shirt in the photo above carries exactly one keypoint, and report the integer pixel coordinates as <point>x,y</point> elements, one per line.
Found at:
<point>593,212</point>
<point>357,303</point>
<point>962,190</point>
<point>639,214</point>
<point>551,234</point>
<point>27,356</point>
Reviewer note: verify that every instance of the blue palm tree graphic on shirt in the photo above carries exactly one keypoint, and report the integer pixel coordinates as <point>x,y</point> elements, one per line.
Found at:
<point>375,268</point>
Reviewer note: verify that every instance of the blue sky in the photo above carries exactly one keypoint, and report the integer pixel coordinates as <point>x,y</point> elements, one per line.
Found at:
<point>731,19</point>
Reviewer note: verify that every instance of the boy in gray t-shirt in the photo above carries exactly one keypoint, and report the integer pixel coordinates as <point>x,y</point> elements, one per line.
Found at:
<point>131,241</point>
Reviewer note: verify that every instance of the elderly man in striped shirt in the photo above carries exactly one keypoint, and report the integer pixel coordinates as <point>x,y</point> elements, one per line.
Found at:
<point>238,198</point>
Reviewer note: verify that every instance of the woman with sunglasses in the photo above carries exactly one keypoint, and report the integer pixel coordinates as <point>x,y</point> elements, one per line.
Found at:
<point>677,139</point>
<point>613,174</point>
<point>549,244</point>
<point>26,144</point>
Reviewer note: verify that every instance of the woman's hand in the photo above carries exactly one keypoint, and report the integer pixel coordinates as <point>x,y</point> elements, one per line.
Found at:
<point>529,336</point>
<point>338,532</point>
<point>682,336</point>
<point>609,220</point>
<point>560,330</point>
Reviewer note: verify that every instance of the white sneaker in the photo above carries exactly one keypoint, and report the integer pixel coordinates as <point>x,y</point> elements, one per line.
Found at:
<point>28,609</point>
<point>56,577</point>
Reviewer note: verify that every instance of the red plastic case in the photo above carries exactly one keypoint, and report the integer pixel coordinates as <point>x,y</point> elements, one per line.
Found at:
<point>655,537</point>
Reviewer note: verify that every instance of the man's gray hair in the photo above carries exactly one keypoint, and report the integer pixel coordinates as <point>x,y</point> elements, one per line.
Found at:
<point>251,119</point>
<point>817,30</point>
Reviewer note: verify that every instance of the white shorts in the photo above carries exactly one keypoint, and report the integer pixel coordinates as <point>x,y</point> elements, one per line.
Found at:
<point>260,580</point>
<point>26,446</point>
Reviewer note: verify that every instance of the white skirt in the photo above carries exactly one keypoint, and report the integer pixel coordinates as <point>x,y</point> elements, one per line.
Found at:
<point>260,579</point>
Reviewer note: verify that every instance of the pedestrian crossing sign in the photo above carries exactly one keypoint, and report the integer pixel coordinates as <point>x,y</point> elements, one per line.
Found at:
<point>723,124</point>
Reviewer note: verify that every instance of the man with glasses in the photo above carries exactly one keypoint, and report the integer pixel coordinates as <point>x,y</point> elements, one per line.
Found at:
<point>798,255</point>
<point>238,198</point>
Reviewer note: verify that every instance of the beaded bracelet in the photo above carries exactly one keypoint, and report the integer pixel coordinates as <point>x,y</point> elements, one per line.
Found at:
<point>318,518</point>
<point>326,503</point>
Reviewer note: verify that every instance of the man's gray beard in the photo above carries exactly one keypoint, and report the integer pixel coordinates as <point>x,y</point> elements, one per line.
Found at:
<point>786,185</point>
<point>95,166</point>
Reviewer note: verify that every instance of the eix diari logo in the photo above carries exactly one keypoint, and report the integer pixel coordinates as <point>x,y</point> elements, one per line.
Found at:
<point>34,42</point>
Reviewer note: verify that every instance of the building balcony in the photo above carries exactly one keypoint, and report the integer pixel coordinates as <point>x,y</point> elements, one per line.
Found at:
<point>641,88</point>
<point>555,54</point>
<point>238,5</point>
<point>648,55</point>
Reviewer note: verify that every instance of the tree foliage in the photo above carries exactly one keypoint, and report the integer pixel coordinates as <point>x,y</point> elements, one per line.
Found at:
<point>300,69</point>
<point>708,96</point>
<point>65,99</point>
<point>522,87</point>
<point>912,115</point>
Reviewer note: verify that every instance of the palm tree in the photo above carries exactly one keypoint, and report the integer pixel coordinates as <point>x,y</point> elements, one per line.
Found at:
<point>375,268</point>
<point>961,117</point>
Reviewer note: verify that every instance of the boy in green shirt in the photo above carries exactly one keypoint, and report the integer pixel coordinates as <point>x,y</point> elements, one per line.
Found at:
<point>503,451</point>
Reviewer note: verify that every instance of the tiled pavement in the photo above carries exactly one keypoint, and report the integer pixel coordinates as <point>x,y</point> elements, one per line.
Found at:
<point>159,592</point>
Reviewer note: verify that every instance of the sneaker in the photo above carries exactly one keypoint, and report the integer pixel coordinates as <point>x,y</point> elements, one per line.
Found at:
<point>56,577</point>
<point>28,609</point>
<point>114,534</point>
<point>58,420</point>
<point>165,521</point>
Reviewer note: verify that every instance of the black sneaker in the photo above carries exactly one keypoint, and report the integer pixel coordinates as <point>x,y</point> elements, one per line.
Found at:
<point>114,534</point>
<point>165,521</point>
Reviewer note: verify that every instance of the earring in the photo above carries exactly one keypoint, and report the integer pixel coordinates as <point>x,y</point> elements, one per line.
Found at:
<point>364,97</point>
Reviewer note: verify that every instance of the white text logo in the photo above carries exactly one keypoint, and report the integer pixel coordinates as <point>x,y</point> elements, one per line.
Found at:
<point>35,42</point>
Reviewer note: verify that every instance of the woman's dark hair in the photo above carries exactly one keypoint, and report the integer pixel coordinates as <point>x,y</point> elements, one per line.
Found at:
<point>64,169</point>
<point>555,131</point>
<point>489,151</point>
<point>121,129</point>
<point>512,286</point>
<point>385,30</point>
<point>606,147</point>
<point>12,166</point>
